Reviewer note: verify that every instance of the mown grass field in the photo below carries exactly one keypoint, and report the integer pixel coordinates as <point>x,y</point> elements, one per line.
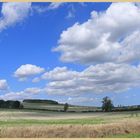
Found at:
<point>39,123</point>
<point>58,107</point>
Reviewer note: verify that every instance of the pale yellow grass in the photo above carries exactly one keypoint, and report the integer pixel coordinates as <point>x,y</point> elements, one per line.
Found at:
<point>11,115</point>
<point>46,115</point>
<point>71,131</point>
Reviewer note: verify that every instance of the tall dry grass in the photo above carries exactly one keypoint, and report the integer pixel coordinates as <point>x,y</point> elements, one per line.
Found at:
<point>70,131</point>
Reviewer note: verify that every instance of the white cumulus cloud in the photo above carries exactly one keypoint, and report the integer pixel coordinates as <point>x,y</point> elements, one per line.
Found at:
<point>107,36</point>
<point>24,71</point>
<point>59,74</point>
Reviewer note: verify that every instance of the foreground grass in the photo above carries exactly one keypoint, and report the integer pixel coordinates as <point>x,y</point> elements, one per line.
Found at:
<point>123,129</point>
<point>126,136</point>
<point>52,122</point>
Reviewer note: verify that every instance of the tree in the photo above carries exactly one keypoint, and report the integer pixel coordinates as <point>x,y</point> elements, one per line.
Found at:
<point>16,104</point>
<point>21,106</point>
<point>66,106</point>
<point>1,103</point>
<point>107,104</point>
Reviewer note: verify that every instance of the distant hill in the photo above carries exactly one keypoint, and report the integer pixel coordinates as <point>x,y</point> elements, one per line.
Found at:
<point>40,101</point>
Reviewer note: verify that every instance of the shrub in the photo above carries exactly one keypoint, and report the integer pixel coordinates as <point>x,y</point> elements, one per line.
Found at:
<point>66,106</point>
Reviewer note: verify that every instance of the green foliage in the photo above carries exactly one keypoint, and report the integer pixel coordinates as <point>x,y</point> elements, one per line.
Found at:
<point>9,104</point>
<point>107,104</point>
<point>40,101</point>
<point>2,103</point>
<point>66,106</point>
<point>21,106</point>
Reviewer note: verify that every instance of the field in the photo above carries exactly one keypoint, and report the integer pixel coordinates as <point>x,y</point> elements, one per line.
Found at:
<point>39,123</point>
<point>58,107</point>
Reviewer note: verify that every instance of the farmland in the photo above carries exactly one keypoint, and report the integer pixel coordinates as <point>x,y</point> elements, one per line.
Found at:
<point>58,107</point>
<point>40,123</point>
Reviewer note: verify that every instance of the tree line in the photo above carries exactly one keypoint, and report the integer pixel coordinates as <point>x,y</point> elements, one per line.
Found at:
<point>107,105</point>
<point>10,104</point>
<point>41,101</point>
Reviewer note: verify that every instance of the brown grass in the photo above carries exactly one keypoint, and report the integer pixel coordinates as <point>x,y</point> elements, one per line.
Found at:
<point>71,131</point>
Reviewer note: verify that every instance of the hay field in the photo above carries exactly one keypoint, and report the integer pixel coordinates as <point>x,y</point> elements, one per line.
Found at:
<point>36,123</point>
<point>72,131</point>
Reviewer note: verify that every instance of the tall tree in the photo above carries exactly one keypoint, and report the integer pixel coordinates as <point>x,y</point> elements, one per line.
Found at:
<point>107,104</point>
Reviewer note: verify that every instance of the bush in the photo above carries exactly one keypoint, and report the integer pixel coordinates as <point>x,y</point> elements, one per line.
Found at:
<point>66,106</point>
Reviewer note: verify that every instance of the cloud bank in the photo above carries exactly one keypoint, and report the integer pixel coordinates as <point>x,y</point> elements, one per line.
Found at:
<point>101,78</point>
<point>109,36</point>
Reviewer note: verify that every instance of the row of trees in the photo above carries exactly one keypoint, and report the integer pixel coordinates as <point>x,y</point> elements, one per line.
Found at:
<point>41,101</point>
<point>10,104</point>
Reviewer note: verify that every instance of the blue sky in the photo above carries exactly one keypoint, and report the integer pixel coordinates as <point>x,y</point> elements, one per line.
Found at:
<point>70,52</point>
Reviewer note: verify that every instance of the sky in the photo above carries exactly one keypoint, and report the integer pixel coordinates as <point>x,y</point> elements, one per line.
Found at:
<point>70,52</point>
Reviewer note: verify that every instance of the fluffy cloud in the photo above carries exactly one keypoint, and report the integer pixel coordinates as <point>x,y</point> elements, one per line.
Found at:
<point>25,94</point>
<point>13,13</point>
<point>3,84</point>
<point>101,78</point>
<point>106,37</point>
<point>27,70</point>
<point>59,74</point>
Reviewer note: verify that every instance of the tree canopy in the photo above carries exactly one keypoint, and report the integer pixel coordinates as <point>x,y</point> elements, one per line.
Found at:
<point>107,104</point>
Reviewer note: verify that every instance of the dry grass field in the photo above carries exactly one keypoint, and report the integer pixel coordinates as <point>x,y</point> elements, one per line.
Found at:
<point>71,131</point>
<point>36,123</point>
